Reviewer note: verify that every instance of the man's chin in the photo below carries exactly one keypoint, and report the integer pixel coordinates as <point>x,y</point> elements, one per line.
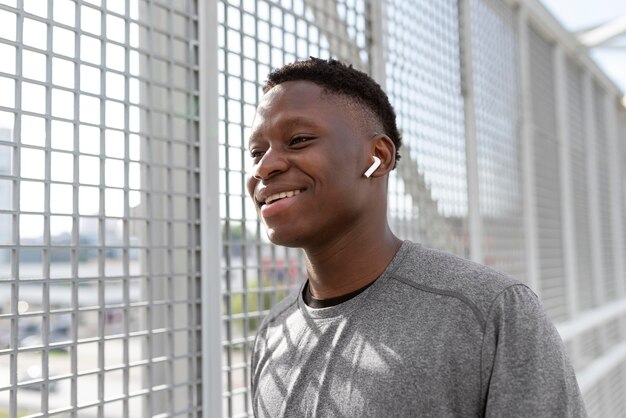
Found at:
<point>284,238</point>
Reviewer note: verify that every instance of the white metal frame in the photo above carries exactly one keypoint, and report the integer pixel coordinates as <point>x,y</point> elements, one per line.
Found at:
<point>565,175</point>
<point>163,306</point>
<point>528,150</point>
<point>471,147</point>
<point>592,178</point>
<point>585,321</point>
<point>210,219</point>
<point>615,184</point>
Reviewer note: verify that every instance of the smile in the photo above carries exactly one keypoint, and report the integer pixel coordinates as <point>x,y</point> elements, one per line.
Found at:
<point>281,195</point>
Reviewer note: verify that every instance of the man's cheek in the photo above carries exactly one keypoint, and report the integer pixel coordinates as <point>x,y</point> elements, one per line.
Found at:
<point>251,184</point>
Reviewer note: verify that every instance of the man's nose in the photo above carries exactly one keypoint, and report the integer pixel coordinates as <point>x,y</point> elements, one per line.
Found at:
<point>273,162</point>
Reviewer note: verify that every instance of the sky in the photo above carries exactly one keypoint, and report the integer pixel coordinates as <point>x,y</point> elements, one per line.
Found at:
<point>576,15</point>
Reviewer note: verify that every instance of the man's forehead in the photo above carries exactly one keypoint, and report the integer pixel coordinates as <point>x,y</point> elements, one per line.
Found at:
<point>296,102</point>
<point>305,102</point>
<point>307,95</point>
<point>297,91</point>
<point>287,120</point>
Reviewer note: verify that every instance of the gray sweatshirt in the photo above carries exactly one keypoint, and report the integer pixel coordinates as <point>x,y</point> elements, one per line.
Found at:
<point>434,336</point>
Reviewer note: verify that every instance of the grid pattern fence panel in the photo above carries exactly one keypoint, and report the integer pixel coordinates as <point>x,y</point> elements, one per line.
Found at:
<point>588,347</point>
<point>99,262</point>
<point>428,198</point>
<point>99,185</point>
<point>621,140</point>
<point>576,130</point>
<point>607,398</point>
<point>547,186</point>
<point>618,395</point>
<point>253,38</point>
<point>603,187</point>
<point>495,77</point>
<point>428,191</point>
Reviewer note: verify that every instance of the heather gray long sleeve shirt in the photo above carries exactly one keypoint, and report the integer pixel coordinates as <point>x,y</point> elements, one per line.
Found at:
<point>434,336</point>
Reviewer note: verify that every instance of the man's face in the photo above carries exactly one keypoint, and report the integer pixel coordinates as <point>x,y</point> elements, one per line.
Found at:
<point>309,151</point>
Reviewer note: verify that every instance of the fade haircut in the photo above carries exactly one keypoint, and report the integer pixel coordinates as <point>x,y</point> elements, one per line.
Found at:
<point>344,80</point>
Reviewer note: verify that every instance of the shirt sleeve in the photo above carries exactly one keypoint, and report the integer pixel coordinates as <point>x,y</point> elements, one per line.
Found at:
<point>526,370</point>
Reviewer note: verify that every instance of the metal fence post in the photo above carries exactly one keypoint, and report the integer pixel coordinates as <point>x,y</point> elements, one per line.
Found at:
<point>209,212</point>
<point>615,185</point>
<point>592,179</point>
<point>528,166</point>
<point>471,151</point>
<point>570,267</point>
<point>565,175</point>
<point>377,43</point>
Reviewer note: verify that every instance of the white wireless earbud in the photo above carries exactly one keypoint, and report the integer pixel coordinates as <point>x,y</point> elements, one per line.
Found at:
<point>373,167</point>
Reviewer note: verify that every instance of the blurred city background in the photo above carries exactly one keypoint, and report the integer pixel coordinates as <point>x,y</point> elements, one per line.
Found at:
<point>133,268</point>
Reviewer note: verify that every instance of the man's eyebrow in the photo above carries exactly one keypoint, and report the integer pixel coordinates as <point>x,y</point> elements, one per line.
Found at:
<point>254,137</point>
<point>290,122</point>
<point>299,121</point>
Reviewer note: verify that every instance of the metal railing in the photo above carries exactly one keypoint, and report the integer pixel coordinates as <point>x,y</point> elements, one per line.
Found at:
<point>514,146</point>
<point>133,269</point>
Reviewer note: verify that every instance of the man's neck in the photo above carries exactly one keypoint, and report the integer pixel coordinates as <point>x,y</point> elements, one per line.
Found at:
<point>350,263</point>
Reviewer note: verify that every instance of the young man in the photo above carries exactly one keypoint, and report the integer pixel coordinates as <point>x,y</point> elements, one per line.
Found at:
<point>381,327</point>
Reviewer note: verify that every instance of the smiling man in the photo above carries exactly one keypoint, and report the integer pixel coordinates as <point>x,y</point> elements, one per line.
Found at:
<point>381,327</point>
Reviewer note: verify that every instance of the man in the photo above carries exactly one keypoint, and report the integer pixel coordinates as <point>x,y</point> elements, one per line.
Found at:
<point>381,327</point>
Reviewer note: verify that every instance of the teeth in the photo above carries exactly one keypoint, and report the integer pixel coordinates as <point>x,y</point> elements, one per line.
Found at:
<point>281,195</point>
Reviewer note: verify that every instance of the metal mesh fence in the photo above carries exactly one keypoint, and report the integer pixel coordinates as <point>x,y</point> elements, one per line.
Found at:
<point>547,185</point>
<point>254,37</point>
<point>621,140</point>
<point>576,129</point>
<point>602,150</point>
<point>428,197</point>
<point>495,69</point>
<point>428,193</point>
<point>98,257</point>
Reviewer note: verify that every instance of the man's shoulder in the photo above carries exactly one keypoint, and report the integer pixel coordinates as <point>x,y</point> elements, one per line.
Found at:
<point>431,270</point>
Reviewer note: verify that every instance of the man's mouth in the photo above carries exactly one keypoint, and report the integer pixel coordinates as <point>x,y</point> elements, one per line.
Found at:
<point>281,195</point>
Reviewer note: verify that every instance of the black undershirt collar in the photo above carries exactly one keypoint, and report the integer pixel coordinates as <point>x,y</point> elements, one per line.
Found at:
<point>326,303</point>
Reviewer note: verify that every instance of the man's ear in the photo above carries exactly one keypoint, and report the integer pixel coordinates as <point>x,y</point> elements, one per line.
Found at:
<point>383,147</point>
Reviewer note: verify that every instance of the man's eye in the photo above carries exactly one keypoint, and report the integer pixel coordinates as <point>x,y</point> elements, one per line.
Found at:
<point>256,154</point>
<point>299,139</point>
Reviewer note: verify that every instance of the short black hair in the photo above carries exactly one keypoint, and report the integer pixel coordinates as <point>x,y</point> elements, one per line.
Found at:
<point>342,79</point>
